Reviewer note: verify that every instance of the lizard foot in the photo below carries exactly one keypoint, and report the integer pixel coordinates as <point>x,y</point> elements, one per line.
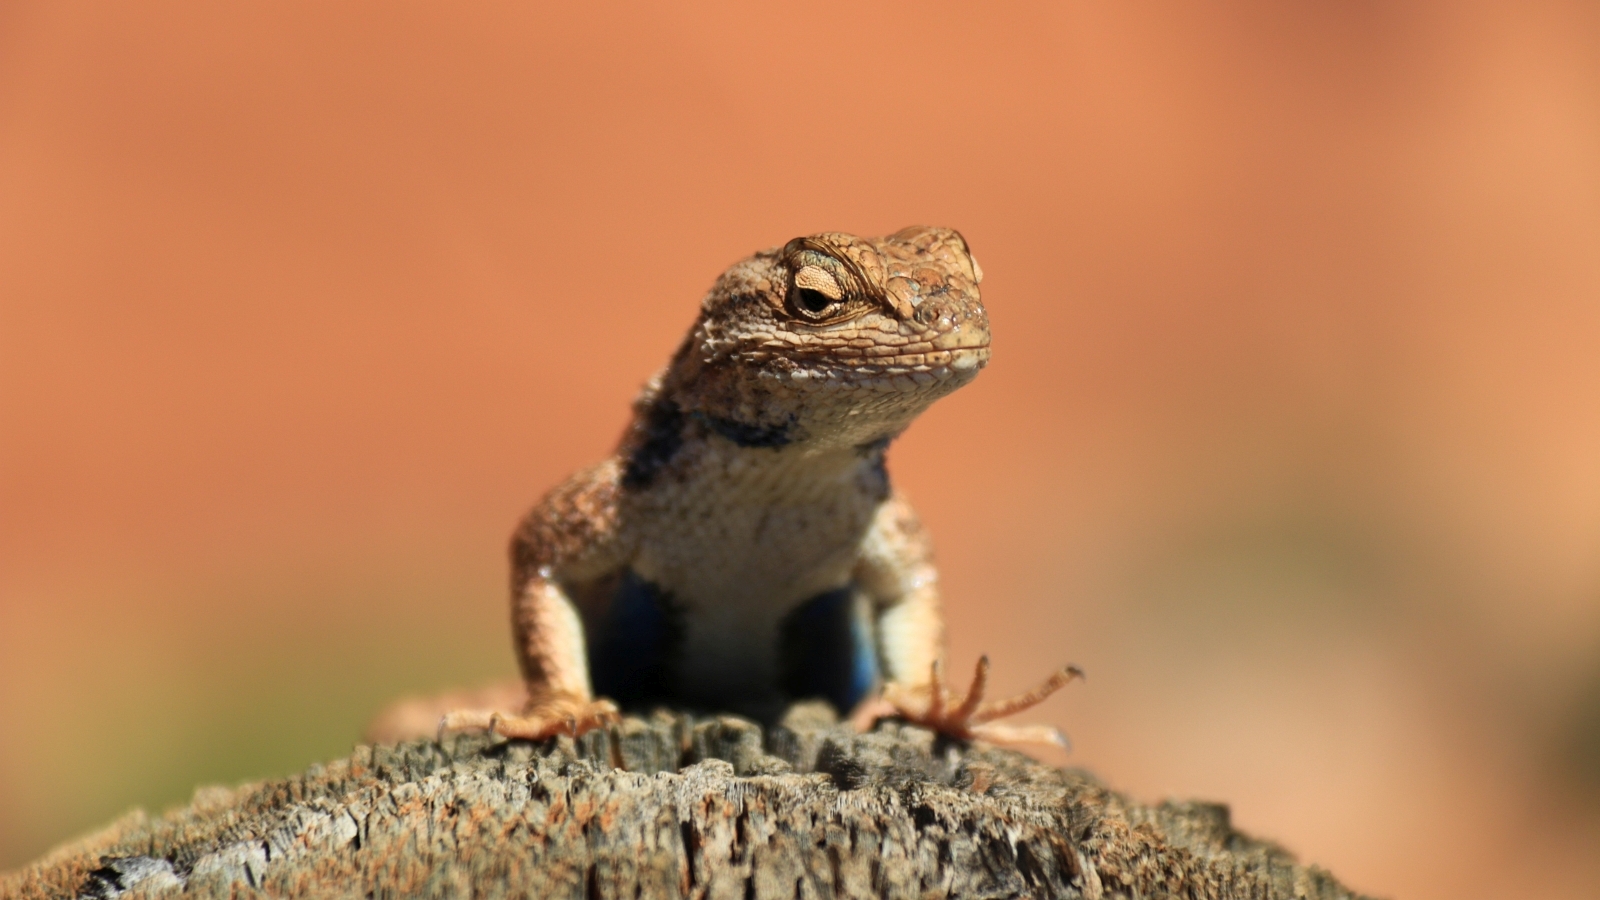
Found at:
<point>540,719</point>
<point>967,716</point>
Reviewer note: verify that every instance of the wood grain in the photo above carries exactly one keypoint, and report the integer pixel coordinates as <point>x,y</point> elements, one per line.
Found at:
<point>704,808</point>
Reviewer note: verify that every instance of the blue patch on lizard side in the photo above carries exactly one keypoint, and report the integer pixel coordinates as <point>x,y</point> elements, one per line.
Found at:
<point>630,655</point>
<point>826,651</point>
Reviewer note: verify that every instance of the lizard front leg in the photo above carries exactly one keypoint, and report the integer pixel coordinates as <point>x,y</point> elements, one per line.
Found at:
<point>550,647</point>
<point>896,570</point>
<point>570,537</point>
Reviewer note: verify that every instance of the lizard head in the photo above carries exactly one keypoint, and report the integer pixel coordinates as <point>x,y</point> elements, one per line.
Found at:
<point>836,339</point>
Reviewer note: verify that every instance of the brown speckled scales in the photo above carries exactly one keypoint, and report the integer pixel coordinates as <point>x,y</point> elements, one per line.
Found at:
<point>743,548</point>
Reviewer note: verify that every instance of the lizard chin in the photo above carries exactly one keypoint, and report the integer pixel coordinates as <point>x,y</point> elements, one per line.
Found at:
<point>842,403</point>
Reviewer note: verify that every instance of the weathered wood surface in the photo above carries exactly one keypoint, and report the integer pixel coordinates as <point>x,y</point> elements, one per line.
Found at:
<point>712,808</point>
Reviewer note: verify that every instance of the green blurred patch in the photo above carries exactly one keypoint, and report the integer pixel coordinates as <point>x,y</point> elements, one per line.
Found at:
<point>245,678</point>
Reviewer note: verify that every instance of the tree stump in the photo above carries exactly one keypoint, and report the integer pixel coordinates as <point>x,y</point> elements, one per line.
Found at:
<point>677,806</point>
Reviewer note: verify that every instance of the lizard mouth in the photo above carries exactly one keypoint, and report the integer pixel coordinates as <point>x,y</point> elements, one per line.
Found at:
<point>957,358</point>
<point>905,370</point>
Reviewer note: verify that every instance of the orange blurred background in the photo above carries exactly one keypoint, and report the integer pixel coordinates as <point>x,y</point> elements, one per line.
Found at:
<point>1291,438</point>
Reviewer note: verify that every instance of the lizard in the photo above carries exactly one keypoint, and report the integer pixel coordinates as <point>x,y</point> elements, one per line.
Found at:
<point>743,547</point>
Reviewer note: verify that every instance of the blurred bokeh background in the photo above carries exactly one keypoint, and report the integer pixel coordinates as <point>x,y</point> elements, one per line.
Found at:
<point>1291,438</point>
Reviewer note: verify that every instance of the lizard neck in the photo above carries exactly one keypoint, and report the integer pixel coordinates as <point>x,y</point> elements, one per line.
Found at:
<point>677,436</point>
<point>796,473</point>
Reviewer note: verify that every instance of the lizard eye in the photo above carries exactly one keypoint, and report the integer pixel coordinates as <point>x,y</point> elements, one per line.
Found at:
<point>816,293</point>
<point>812,301</point>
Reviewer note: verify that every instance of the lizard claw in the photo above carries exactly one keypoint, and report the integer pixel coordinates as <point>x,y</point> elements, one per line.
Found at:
<point>967,716</point>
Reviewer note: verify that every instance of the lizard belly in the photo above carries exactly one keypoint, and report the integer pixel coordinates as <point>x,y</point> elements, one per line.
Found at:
<point>823,648</point>
<point>750,586</point>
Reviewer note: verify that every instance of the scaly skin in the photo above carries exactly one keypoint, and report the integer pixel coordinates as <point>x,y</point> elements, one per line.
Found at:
<point>744,548</point>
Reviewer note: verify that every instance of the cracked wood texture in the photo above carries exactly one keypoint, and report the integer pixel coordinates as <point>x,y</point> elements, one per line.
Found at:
<point>704,808</point>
